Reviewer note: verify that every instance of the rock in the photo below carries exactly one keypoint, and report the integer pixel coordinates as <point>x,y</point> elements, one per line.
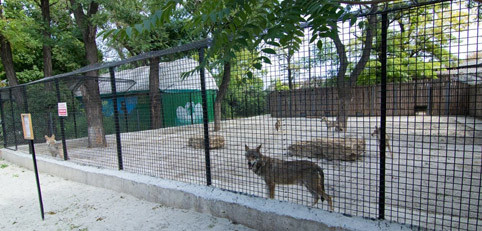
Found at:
<point>215,142</point>
<point>349,149</point>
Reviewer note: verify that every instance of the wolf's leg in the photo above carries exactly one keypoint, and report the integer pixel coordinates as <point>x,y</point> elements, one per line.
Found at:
<point>271,187</point>
<point>315,195</point>
<point>320,189</point>
<point>327,198</point>
<point>54,152</point>
<point>310,184</point>
<point>387,141</point>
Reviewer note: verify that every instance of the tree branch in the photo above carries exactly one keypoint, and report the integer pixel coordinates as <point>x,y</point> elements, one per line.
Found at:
<point>78,13</point>
<point>340,50</point>
<point>93,8</point>
<point>372,23</point>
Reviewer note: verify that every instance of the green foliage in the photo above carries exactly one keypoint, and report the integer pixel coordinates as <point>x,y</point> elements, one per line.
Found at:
<point>245,95</point>
<point>42,98</point>
<point>22,26</point>
<point>279,86</point>
<point>245,100</point>
<point>29,75</point>
<point>399,70</point>
<point>135,29</point>
<point>413,51</point>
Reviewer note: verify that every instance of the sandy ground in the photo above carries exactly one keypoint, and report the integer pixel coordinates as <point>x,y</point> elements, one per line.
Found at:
<point>73,206</point>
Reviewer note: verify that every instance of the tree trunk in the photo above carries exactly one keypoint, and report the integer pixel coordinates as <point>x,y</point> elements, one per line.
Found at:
<point>290,78</point>
<point>223,89</point>
<point>47,62</point>
<point>90,88</point>
<point>341,85</point>
<point>91,97</point>
<point>7,62</point>
<point>154,94</point>
<point>344,86</point>
<point>47,49</point>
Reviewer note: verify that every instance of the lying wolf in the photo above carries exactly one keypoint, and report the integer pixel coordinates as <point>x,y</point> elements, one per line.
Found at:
<point>275,171</point>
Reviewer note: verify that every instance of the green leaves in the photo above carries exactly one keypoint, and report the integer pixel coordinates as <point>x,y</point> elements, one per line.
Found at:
<point>257,66</point>
<point>269,51</point>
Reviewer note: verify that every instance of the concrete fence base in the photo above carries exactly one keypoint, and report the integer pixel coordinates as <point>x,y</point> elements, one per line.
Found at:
<point>254,212</point>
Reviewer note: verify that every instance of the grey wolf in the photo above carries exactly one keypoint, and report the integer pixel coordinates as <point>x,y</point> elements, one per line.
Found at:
<point>276,171</point>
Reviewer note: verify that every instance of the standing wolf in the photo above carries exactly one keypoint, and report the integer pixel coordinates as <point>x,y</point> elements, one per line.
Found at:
<point>377,133</point>
<point>332,124</point>
<point>275,171</point>
<point>55,148</point>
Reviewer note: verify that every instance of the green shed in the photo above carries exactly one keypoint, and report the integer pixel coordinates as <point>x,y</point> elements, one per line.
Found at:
<point>181,97</point>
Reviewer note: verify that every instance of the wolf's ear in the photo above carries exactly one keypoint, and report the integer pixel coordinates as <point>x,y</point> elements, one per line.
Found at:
<point>46,137</point>
<point>53,136</point>
<point>258,148</point>
<point>246,147</point>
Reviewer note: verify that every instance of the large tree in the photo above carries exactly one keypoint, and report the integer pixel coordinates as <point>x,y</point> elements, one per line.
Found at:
<point>7,57</point>
<point>6,52</point>
<point>344,86</point>
<point>84,13</point>
<point>24,30</point>
<point>46,48</point>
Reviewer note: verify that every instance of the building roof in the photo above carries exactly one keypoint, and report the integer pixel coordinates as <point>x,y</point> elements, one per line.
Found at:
<point>469,72</point>
<point>170,78</point>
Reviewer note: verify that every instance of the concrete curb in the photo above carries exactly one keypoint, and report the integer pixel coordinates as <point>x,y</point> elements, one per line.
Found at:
<point>254,212</point>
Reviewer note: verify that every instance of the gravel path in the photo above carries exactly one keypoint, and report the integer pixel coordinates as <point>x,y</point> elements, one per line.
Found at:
<point>73,206</point>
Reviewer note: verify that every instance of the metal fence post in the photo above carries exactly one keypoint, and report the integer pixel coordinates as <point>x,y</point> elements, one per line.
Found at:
<point>116,118</point>
<point>62,127</point>
<point>447,99</point>
<point>4,131</point>
<point>191,107</point>
<point>13,118</point>
<point>124,109</point>
<point>25,105</point>
<point>205,119</point>
<point>383,110</point>
<point>74,112</point>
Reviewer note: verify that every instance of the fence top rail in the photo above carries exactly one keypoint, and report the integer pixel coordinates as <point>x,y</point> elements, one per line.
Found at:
<point>75,82</point>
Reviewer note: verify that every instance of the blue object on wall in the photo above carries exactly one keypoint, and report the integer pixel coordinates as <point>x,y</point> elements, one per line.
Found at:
<point>108,105</point>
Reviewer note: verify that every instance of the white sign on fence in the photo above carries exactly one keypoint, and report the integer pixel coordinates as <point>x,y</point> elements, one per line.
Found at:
<point>62,108</point>
<point>27,126</point>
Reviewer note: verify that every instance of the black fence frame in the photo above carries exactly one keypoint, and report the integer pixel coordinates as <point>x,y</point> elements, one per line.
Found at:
<point>200,46</point>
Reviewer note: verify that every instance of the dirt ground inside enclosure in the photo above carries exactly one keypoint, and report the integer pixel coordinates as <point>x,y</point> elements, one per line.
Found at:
<point>433,179</point>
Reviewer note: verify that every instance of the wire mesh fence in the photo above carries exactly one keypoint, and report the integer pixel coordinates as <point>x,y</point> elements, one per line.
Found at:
<point>402,141</point>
